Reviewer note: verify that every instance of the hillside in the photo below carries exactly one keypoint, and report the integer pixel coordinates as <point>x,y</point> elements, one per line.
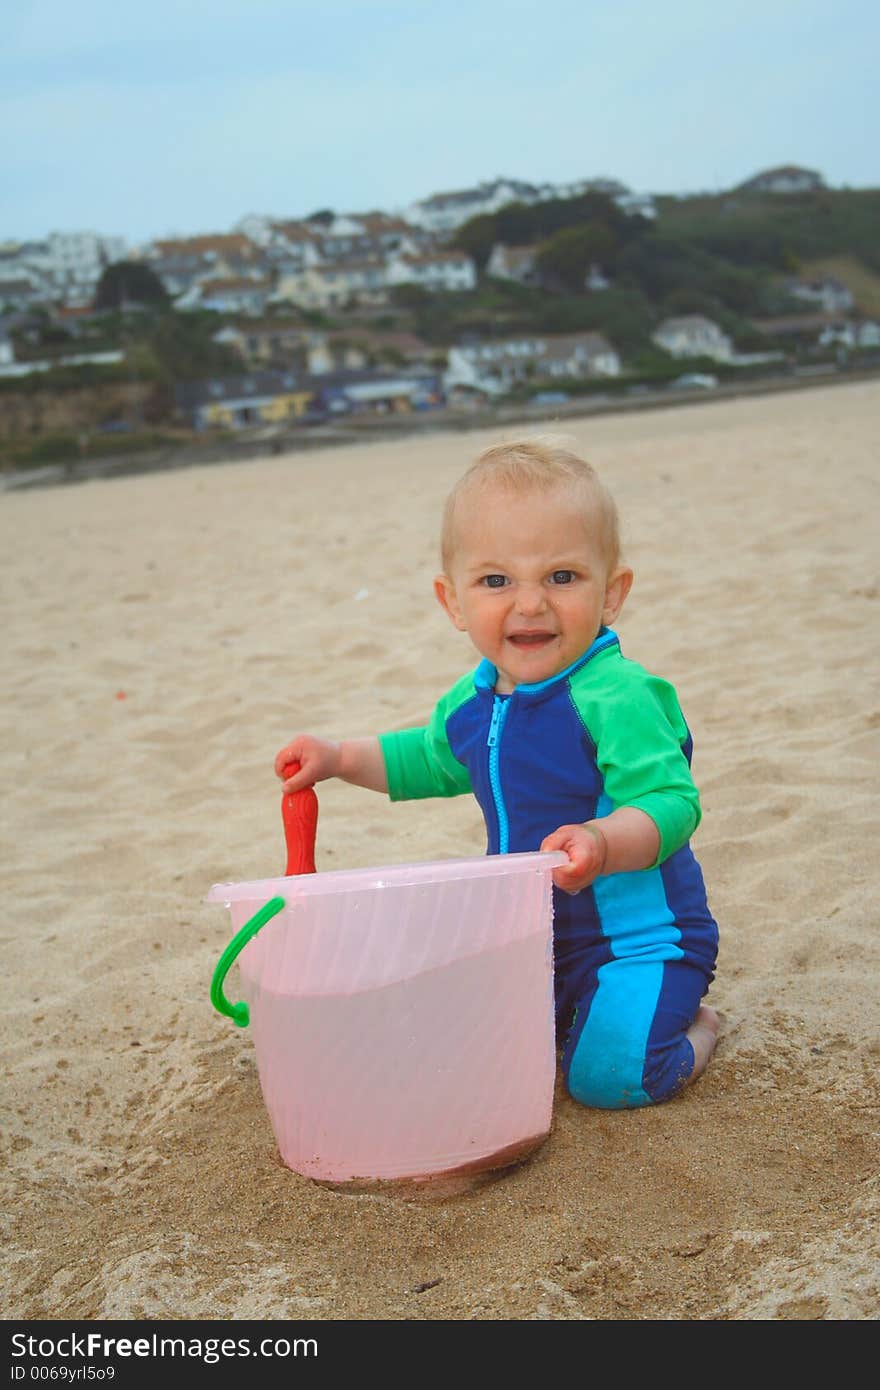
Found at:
<point>780,231</point>
<point>729,257</point>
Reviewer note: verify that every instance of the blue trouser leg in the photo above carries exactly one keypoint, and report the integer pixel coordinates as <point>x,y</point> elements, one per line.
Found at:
<point>627,1044</point>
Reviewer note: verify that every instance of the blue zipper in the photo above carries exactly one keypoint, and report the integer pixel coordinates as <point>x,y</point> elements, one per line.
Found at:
<point>499,714</point>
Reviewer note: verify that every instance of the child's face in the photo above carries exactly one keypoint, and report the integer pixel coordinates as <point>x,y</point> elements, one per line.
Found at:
<point>529,582</point>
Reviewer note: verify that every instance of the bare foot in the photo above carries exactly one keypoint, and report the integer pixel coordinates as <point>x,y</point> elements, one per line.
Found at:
<point>703,1035</point>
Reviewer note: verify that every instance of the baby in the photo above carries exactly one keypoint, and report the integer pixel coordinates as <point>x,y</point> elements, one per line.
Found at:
<point>567,745</point>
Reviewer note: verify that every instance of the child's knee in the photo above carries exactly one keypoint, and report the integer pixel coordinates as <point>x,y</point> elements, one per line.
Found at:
<point>606,1079</point>
<point>622,1077</point>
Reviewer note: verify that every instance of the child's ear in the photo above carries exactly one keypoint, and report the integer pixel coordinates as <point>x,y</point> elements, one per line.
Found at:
<point>445,591</point>
<point>618,586</point>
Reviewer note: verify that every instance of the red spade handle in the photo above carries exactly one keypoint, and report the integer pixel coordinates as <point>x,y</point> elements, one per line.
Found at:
<point>299,813</point>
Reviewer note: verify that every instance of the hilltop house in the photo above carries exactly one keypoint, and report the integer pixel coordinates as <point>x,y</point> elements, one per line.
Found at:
<point>787,178</point>
<point>692,335</point>
<point>496,367</point>
<point>443,213</point>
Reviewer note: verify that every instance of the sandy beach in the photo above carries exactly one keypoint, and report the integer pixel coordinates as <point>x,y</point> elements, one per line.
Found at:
<point>165,634</point>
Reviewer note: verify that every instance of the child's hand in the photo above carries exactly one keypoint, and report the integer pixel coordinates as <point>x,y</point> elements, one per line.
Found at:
<point>317,757</point>
<point>587,851</point>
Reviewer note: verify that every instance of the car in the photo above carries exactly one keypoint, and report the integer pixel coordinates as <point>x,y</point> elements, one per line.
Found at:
<point>694,381</point>
<point>550,398</point>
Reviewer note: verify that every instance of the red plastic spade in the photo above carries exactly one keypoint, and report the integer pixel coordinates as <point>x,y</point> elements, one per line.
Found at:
<point>299,812</point>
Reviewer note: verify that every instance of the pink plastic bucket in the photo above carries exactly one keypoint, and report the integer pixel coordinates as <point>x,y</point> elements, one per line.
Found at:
<point>402,1017</point>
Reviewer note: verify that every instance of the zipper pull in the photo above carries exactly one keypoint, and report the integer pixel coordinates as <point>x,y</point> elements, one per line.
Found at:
<point>497,709</point>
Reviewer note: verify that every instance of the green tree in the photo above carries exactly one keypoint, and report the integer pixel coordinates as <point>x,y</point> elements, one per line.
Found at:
<point>129,282</point>
<point>183,348</point>
<point>528,224</point>
<point>566,258</point>
<point>477,237</point>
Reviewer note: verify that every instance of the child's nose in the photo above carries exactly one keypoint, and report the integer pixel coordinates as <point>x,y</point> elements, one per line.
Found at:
<point>530,599</point>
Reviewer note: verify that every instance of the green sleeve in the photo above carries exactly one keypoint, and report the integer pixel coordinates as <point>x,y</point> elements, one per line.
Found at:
<point>419,762</point>
<point>637,726</point>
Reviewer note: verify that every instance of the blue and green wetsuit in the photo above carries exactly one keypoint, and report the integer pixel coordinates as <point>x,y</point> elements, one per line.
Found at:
<point>635,952</point>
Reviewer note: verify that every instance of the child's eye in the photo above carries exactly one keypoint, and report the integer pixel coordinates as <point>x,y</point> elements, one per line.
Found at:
<point>562,576</point>
<point>494,581</point>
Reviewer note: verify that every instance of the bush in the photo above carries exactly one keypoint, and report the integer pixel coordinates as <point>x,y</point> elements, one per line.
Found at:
<point>129,282</point>
<point>68,447</point>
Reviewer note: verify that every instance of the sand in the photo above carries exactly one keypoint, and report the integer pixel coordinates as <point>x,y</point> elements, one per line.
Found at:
<point>165,634</point>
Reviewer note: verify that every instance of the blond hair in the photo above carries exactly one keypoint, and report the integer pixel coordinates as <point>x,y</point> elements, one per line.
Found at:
<point>521,466</point>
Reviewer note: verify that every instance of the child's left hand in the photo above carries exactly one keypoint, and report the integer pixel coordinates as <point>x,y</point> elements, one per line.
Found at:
<point>587,851</point>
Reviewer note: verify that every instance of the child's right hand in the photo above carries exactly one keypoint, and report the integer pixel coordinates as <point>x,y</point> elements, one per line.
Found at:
<point>318,759</point>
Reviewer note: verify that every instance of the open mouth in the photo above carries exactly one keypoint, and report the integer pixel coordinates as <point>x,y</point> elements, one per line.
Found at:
<point>530,639</point>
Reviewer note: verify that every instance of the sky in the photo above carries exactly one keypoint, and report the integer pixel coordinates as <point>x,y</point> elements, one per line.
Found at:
<point>180,117</point>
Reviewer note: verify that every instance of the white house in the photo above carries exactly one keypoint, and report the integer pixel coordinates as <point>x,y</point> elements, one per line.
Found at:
<point>65,267</point>
<point>232,294</point>
<point>78,258</point>
<point>444,212</point>
<point>637,204</point>
<point>513,263</point>
<point>257,227</point>
<point>864,334</point>
<point>362,236</point>
<point>387,233</point>
<point>826,292</point>
<point>293,243</point>
<point>448,271</point>
<point>692,335</point>
<point>495,367</point>
<point>579,355</point>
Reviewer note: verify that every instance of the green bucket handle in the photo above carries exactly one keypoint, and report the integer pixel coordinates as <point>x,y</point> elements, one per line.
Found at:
<point>240,1013</point>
